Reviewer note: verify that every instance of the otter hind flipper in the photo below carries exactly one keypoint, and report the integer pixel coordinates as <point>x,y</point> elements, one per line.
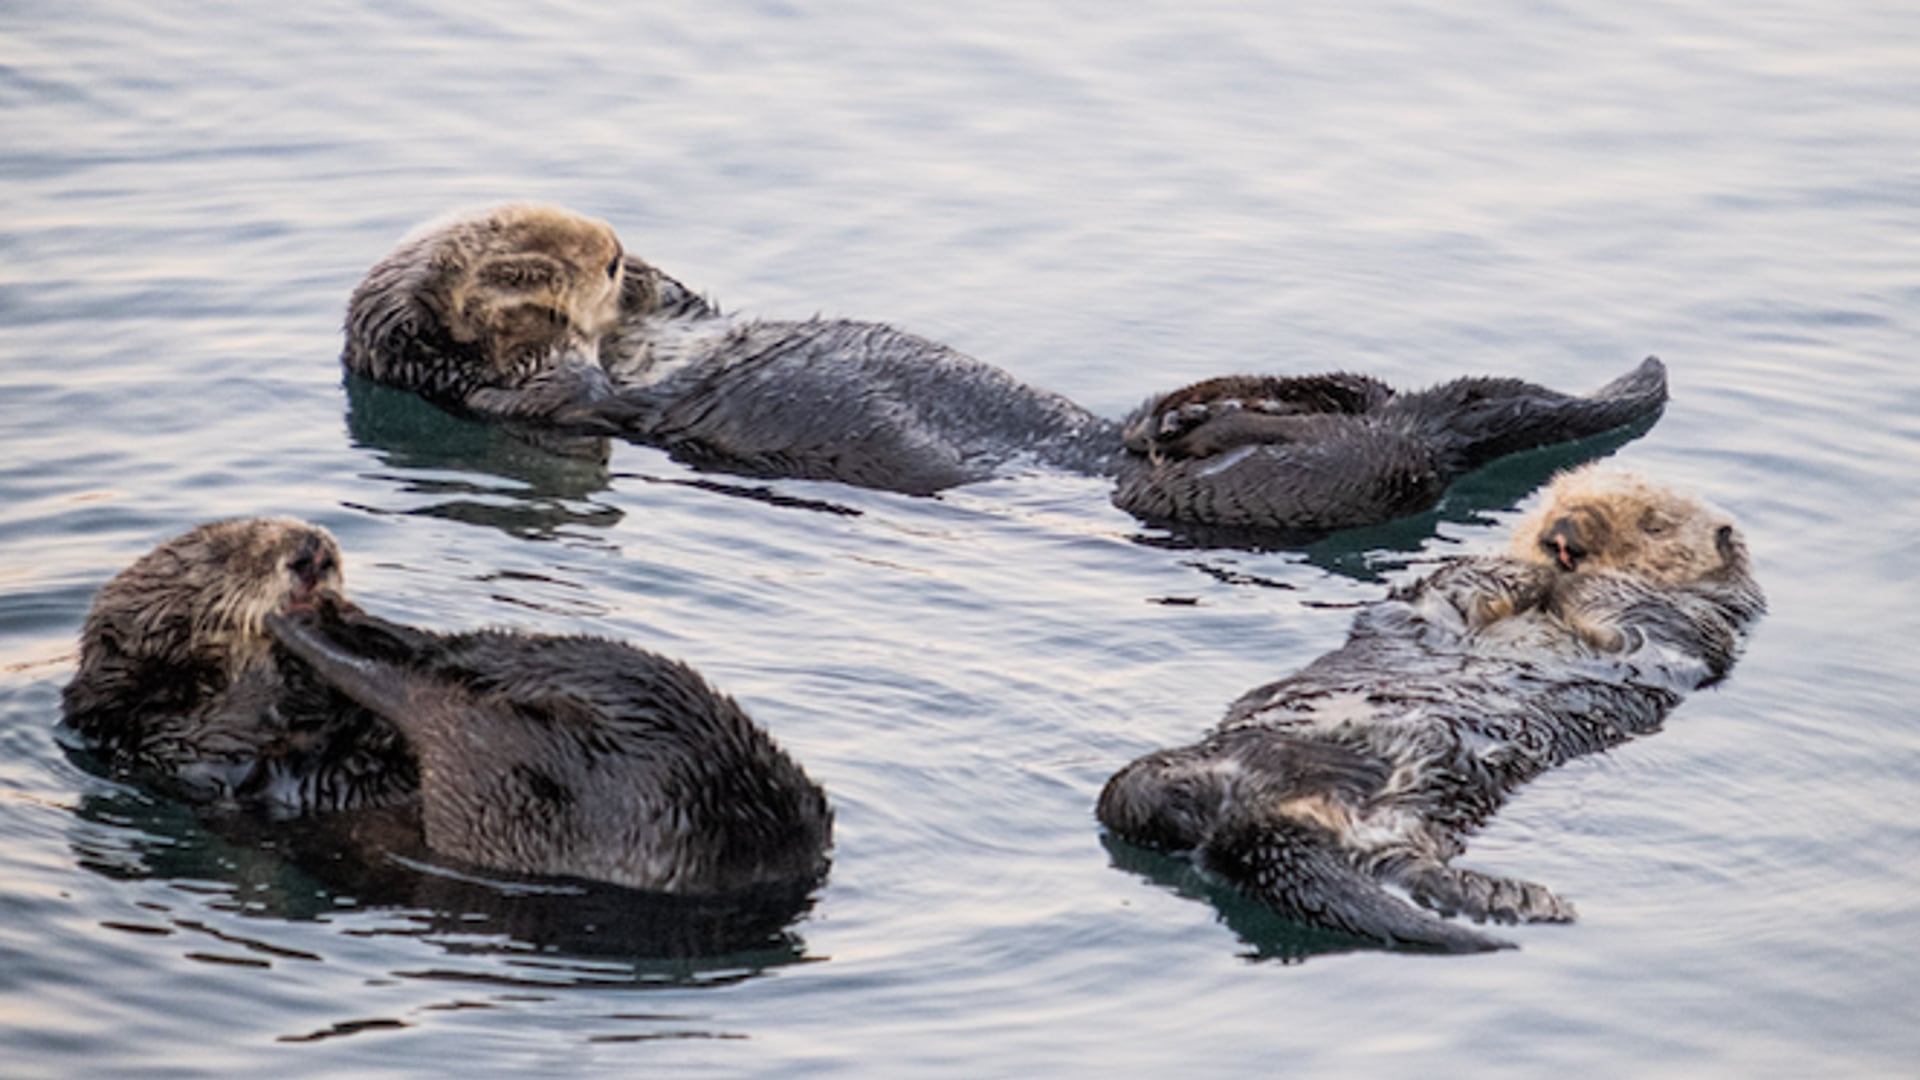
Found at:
<point>1289,868</point>
<point>1478,420</point>
<point>375,681</point>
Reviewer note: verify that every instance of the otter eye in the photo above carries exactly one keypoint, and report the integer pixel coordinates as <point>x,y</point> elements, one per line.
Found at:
<point>613,267</point>
<point>1653,524</point>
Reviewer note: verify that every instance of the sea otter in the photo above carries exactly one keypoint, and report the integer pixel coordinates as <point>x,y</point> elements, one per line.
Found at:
<point>1376,761</point>
<point>501,313</point>
<point>209,667</point>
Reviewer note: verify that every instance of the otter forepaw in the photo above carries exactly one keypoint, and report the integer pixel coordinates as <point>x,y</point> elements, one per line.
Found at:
<point>1162,433</point>
<point>1204,428</point>
<point>1474,593</point>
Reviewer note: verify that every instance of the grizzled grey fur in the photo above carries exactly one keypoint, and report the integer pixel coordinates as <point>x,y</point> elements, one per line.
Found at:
<point>1375,762</point>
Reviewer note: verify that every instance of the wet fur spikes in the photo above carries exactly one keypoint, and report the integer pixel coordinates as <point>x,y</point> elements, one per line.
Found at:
<point>497,314</point>
<point>224,668</point>
<point>180,686</point>
<point>577,756</point>
<point>1373,764</point>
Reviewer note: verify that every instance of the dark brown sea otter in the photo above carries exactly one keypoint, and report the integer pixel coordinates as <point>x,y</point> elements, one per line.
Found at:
<point>224,667</point>
<point>1374,763</point>
<point>508,313</point>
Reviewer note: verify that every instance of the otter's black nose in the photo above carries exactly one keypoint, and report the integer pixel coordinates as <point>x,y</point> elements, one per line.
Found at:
<point>312,562</point>
<point>1564,543</point>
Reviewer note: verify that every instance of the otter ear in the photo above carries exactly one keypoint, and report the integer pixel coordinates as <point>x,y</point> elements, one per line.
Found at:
<point>1727,543</point>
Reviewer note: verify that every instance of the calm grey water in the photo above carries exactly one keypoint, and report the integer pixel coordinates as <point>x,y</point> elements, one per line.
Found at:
<point>1106,201</point>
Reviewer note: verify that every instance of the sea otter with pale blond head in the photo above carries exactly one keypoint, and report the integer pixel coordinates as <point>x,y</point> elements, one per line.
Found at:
<point>535,317</point>
<point>1374,763</point>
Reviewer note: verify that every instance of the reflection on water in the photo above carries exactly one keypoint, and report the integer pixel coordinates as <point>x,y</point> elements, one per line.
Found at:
<point>367,874</point>
<point>552,491</point>
<point>1267,935</point>
<point>554,486</point>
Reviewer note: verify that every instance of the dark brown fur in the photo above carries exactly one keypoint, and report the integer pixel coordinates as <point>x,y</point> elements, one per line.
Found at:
<point>180,685</point>
<point>577,756</point>
<point>866,404</point>
<point>223,667</point>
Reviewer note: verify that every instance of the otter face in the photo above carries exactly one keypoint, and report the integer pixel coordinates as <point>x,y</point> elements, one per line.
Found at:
<point>1595,518</point>
<point>202,598</point>
<point>522,282</point>
<point>487,299</point>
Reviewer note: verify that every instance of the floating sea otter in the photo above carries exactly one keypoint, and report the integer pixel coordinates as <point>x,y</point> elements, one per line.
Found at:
<point>224,666</point>
<point>534,316</point>
<point>1376,761</point>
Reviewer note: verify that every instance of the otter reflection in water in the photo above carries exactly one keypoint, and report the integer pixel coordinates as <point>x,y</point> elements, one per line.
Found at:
<point>225,667</point>
<point>536,317</point>
<point>1376,761</point>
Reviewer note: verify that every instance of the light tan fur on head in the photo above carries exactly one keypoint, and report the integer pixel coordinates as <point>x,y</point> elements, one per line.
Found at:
<point>1598,518</point>
<point>521,280</point>
<point>201,598</point>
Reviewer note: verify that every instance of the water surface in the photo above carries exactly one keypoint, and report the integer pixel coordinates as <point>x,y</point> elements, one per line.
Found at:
<point>1107,204</point>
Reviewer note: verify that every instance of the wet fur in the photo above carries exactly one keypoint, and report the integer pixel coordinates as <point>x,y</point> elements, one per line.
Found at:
<point>1374,763</point>
<point>577,756</point>
<point>1316,453</point>
<point>224,668</point>
<point>866,404</point>
<point>179,684</point>
<point>497,315</point>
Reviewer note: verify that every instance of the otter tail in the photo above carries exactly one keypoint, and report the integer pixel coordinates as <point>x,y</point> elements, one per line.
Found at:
<point>1480,419</point>
<point>1284,865</point>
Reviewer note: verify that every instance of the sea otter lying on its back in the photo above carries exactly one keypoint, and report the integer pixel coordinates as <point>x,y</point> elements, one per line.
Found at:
<point>225,667</point>
<point>1376,761</point>
<point>503,313</point>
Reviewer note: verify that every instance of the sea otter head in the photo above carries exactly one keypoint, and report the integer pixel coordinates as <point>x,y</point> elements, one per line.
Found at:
<point>200,600</point>
<point>486,298</point>
<point>1597,518</point>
